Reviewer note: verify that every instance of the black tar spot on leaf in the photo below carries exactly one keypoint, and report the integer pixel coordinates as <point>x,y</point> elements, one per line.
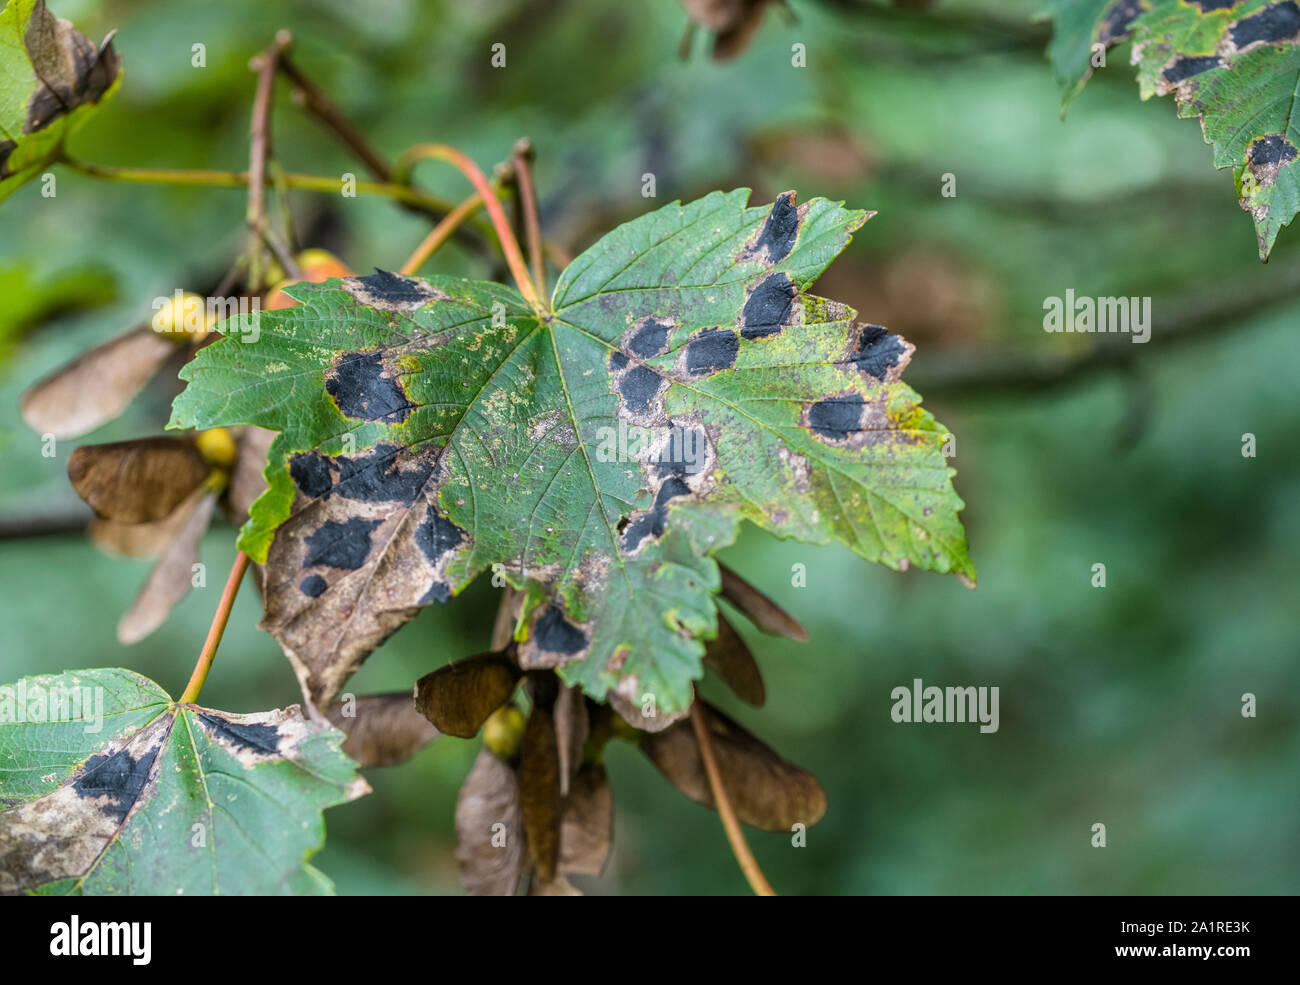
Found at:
<point>344,545</point>
<point>438,592</point>
<point>255,738</point>
<point>311,473</point>
<point>684,453</point>
<point>555,634</point>
<point>878,351</point>
<point>836,417</point>
<point>768,307</point>
<point>653,523</point>
<point>1271,149</point>
<point>373,477</point>
<point>119,777</point>
<point>649,338</point>
<point>617,361</point>
<point>438,536</point>
<point>1207,6</point>
<point>1276,23</point>
<point>639,387</point>
<point>712,351</point>
<point>313,585</point>
<point>1188,66</point>
<point>386,286</point>
<point>1118,20</point>
<point>361,390</point>
<point>780,230</point>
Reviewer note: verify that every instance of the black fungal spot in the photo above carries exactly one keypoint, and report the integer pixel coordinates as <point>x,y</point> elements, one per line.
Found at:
<point>438,536</point>
<point>685,452</point>
<point>1276,23</point>
<point>344,545</point>
<point>836,417</point>
<point>649,339</point>
<point>1271,149</point>
<point>311,473</point>
<point>361,390</point>
<point>1118,20</point>
<point>255,738</point>
<point>712,351</point>
<point>385,286</point>
<point>374,477</point>
<point>555,634</point>
<point>780,229</point>
<point>437,592</point>
<point>7,147</point>
<point>768,307</point>
<point>639,387</point>
<point>1188,66</point>
<point>313,585</point>
<point>120,777</point>
<point>878,352</point>
<point>653,523</point>
<point>617,361</point>
<point>1208,6</point>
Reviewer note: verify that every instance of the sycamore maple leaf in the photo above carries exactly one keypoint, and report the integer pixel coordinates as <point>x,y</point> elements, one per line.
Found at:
<point>595,453</point>
<point>1234,64</point>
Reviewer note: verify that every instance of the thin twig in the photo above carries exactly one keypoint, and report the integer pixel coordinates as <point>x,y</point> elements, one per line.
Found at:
<point>739,847</point>
<point>215,631</point>
<point>258,149</point>
<point>320,106</point>
<point>509,245</point>
<point>239,179</point>
<point>523,157</point>
<point>441,233</point>
<point>313,98</point>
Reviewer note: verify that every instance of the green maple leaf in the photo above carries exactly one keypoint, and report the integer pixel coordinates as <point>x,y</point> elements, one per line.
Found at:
<point>594,454</point>
<point>107,786</point>
<point>52,79</point>
<point>1235,65</point>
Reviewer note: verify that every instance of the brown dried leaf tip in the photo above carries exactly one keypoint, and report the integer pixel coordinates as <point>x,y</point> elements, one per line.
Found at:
<point>382,729</point>
<point>155,497</point>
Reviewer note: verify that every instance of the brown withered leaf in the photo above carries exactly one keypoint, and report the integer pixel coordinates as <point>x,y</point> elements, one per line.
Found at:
<point>172,575</point>
<point>382,729</point>
<point>587,823</point>
<point>539,790</point>
<point>761,610</point>
<point>459,697</point>
<point>139,481</point>
<point>730,658</point>
<point>571,730</point>
<point>765,790</point>
<point>70,69</point>
<point>490,829</point>
<point>142,540</point>
<point>96,388</point>
<point>586,833</point>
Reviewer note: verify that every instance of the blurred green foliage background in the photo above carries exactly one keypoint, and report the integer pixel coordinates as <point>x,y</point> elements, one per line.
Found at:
<point>1119,705</point>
